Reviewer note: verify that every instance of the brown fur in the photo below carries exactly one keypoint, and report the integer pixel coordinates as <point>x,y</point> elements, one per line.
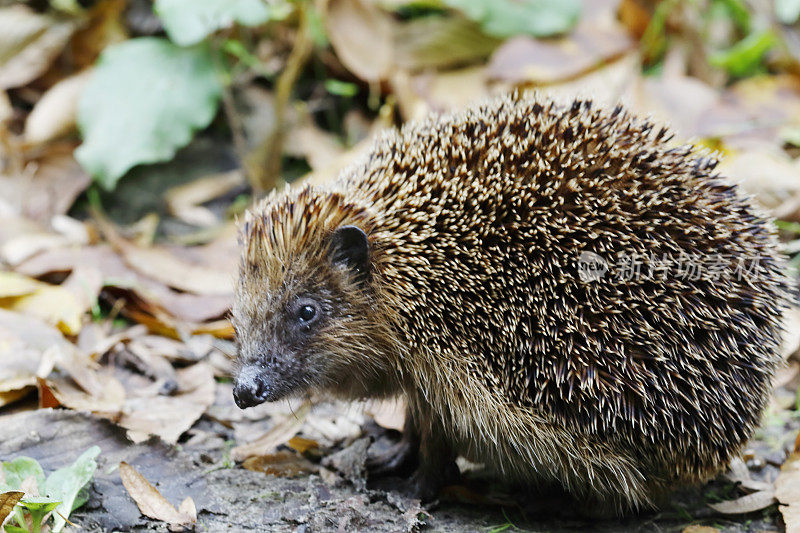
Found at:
<point>615,389</point>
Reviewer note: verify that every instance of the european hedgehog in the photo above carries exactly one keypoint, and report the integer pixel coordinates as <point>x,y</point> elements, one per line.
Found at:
<point>560,293</point>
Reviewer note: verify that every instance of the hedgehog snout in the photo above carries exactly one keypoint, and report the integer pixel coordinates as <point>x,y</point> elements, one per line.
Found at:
<point>250,387</point>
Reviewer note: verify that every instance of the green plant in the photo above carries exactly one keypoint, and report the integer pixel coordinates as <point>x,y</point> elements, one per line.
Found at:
<point>53,497</point>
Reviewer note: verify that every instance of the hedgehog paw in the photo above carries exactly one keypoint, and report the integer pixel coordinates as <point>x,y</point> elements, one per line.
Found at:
<point>397,460</point>
<point>425,485</point>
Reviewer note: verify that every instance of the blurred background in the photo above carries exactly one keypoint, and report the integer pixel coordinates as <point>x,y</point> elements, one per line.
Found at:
<point>134,132</point>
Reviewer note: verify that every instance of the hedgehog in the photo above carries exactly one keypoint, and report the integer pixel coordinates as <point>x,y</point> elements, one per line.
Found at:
<point>559,291</point>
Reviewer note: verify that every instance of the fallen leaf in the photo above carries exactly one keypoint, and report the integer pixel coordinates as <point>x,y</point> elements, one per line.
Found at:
<point>746,504</point>
<point>6,111</point>
<point>699,529</point>
<point>29,43</point>
<point>106,398</point>
<point>596,40</point>
<point>105,26</point>
<point>158,263</point>
<point>302,444</point>
<point>7,502</point>
<point>282,464</point>
<point>787,489</point>
<point>277,435</point>
<point>170,416</point>
<point>185,201</point>
<point>29,348</point>
<point>21,239</point>
<point>389,414</point>
<point>351,24</point>
<point>440,42</point>
<point>48,186</point>
<point>55,113</point>
<point>52,303</point>
<point>148,293</point>
<point>152,504</point>
<point>769,174</point>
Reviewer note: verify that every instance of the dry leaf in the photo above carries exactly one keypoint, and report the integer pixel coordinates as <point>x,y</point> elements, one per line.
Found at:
<point>746,504</point>
<point>170,416</point>
<point>153,297</point>
<point>55,113</point>
<point>302,444</point>
<point>29,348</point>
<point>52,303</point>
<point>596,40</point>
<point>699,529</point>
<point>283,464</point>
<point>361,35</point>
<point>29,42</point>
<point>787,489</point>
<point>105,26</point>
<point>389,414</point>
<point>7,502</point>
<point>160,264</point>
<point>48,186</point>
<point>152,504</point>
<point>277,435</point>
<point>440,42</point>
<point>185,201</point>
<point>21,239</point>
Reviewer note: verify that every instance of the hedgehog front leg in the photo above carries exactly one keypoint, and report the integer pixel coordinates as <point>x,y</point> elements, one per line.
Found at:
<point>423,451</point>
<point>401,458</point>
<point>436,466</point>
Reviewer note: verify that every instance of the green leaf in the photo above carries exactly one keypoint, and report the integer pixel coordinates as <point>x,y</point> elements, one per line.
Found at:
<point>20,469</point>
<point>188,22</point>
<point>65,484</point>
<point>787,11</point>
<point>341,88</point>
<point>15,529</point>
<point>745,57</point>
<point>38,507</point>
<point>144,101</point>
<point>506,18</point>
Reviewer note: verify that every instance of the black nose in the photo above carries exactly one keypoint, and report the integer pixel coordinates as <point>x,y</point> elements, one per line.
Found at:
<point>249,391</point>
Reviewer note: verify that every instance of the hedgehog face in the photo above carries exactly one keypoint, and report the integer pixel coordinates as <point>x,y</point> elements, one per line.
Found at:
<point>301,320</point>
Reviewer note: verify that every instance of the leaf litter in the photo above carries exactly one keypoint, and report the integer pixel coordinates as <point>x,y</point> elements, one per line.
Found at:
<point>101,317</point>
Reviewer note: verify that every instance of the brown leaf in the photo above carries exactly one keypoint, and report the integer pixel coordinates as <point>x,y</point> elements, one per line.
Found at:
<point>389,414</point>
<point>49,185</point>
<point>28,348</point>
<point>185,201</point>
<point>52,303</point>
<point>746,504</point>
<point>55,113</point>
<point>699,529</point>
<point>170,416</point>
<point>282,464</point>
<point>152,504</point>
<point>277,435</point>
<point>29,43</point>
<point>302,444</point>
<point>353,23</point>
<point>105,26</point>
<point>596,40</point>
<point>7,502</point>
<point>150,295</point>
<point>440,42</point>
<point>787,489</point>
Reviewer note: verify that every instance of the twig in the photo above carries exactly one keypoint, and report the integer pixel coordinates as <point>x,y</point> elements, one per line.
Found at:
<point>264,162</point>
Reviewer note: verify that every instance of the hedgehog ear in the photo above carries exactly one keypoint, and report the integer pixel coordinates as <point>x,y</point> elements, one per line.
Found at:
<point>350,247</point>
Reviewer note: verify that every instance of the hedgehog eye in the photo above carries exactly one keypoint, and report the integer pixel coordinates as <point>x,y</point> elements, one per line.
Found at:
<point>307,313</point>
